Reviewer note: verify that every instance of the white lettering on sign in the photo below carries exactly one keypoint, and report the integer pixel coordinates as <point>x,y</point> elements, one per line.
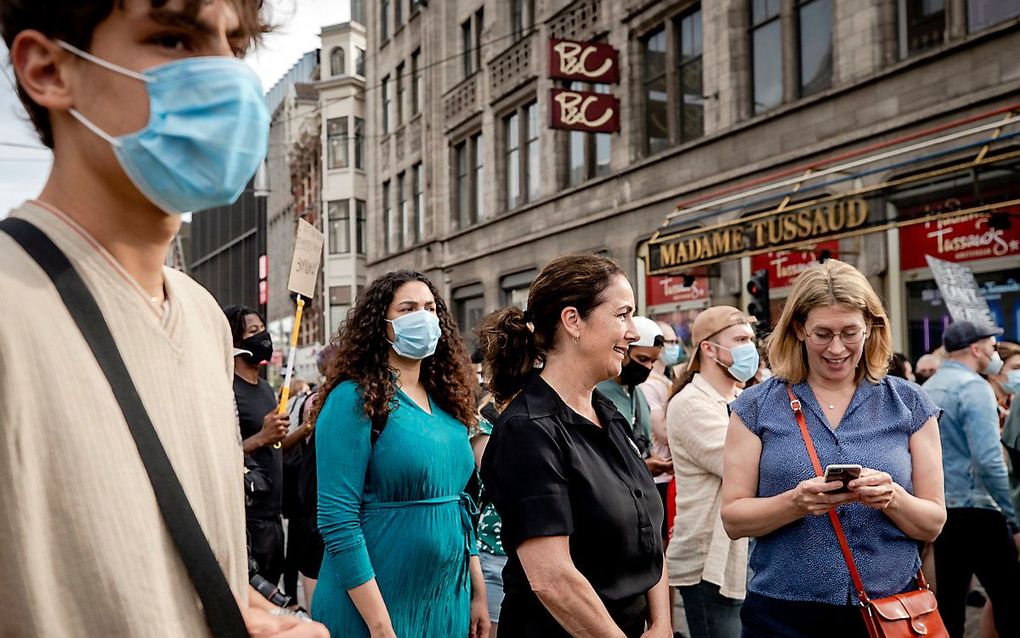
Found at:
<point>991,238</point>
<point>574,110</point>
<point>574,60</point>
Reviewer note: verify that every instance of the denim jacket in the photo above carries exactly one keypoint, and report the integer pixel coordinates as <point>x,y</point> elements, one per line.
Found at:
<point>971,453</point>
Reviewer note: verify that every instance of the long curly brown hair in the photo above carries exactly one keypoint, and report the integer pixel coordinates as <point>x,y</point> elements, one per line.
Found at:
<point>363,355</point>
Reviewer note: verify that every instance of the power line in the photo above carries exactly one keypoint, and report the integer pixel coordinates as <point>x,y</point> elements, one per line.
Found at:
<point>33,147</point>
<point>372,87</point>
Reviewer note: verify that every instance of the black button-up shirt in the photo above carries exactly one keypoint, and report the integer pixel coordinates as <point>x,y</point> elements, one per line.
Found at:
<point>551,472</point>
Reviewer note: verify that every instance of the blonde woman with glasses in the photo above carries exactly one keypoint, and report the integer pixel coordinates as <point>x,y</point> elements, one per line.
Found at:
<point>831,348</point>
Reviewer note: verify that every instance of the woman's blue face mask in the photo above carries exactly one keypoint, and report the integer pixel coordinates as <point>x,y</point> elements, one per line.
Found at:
<point>416,334</point>
<point>207,133</point>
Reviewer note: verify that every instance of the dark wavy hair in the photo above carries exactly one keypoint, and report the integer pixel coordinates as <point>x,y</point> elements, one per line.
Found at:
<point>362,355</point>
<point>513,341</point>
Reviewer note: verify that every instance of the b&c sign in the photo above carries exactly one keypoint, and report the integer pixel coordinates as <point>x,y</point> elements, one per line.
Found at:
<point>583,62</point>
<point>584,110</point>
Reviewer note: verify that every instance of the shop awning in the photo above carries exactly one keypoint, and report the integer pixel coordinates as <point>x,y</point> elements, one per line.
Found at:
<point>796,207</point>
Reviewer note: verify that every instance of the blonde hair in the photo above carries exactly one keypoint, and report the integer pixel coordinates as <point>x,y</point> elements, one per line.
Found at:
<point>828,284</point>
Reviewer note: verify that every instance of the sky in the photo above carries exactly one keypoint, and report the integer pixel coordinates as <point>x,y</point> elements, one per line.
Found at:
<point>24,162</point>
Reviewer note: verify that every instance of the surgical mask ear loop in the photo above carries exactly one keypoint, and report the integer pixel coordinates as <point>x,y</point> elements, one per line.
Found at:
<point>75,113</point>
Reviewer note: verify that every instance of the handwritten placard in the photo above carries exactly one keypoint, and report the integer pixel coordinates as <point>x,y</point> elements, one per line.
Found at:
<point>304,267</point>
<point>960,292</point>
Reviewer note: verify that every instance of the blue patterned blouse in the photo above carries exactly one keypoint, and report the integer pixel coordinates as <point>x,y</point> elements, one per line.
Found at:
<point>802,561</point>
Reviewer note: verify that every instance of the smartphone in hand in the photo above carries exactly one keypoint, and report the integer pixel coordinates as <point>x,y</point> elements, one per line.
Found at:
<point>844,473</point>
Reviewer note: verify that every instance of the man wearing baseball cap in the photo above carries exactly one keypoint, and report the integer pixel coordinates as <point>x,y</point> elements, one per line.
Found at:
<point>708,568</point>
<point>977,538</point>
<point>629,400</point>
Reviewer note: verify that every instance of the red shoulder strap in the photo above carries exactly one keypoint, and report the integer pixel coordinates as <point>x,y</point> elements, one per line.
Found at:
<point>844,546</point>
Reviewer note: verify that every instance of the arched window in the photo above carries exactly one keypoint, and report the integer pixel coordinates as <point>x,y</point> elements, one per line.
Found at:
<point>336,61</point>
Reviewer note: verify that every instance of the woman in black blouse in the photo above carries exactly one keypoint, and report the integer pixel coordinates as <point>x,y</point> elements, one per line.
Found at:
<point>580,512</point>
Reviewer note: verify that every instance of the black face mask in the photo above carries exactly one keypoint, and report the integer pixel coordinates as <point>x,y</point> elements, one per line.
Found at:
<point>921,378</point>
<point>634,374</point>
<point>260,345</point>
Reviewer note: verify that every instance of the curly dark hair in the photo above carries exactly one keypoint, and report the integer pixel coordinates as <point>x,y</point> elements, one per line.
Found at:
<point>362,355</point>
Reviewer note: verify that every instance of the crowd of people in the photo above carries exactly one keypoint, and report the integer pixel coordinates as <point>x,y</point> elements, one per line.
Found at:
<point>577,476</point>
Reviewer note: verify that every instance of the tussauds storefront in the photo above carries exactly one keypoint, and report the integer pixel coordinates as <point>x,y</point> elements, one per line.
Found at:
<point>953,195</point>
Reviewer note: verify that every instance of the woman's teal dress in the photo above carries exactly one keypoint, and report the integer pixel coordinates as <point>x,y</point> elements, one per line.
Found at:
<point>394,511</point>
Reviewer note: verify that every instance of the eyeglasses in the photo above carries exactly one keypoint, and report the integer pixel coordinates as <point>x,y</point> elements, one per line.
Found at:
<point>848,337</point>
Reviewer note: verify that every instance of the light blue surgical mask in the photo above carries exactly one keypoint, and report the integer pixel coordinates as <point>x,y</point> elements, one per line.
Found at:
<point>207,133</point>
<point>745,361</point>
<point>672,354</point>
<point>416,334</point>
<point>1012,383</point>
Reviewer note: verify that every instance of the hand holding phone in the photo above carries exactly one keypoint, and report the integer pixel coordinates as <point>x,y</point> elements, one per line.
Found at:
<point>844,473</point>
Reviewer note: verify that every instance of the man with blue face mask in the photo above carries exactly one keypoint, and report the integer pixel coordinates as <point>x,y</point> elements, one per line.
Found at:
<point>708,569</point>
<point>149,113</point>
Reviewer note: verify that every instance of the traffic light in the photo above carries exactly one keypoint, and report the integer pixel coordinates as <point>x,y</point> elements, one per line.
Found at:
<point>758,287</point>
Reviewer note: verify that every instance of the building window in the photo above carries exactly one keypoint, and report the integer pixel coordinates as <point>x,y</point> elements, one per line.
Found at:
<point>766,55</point>
<point>419,202</point>
<point>386,105</point>
<point>921,25</point>
<point>589,153</point>
<point>400,93</point>
<point>512,134</point>
<point>336,61</point>
<point>469,307</point>
<point>339,216</point>
<point>398,13</point>
<point>416,87</point>
<point>982,14</point>
<point>478,155</point>
<point>359,143</point>
<point>469,178</point>
<point>360,224</point>
<point>690,105</point>
<point>479,26</point>
<point>814,20</point>
<point>337,314</point>
<point>404,211</point>
<point>522,17</point>
<point>336,143</point>
<point>514,288</point>
<point>358,11</point>
<point>465,45</point>
<point>388,226</point>
<point>531,149</point>
<point>384,20</point>
<point>359,61</point>
<point>656,92</point>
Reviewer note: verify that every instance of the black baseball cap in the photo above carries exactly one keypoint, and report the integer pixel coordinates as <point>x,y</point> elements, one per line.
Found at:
<point>961,334</point>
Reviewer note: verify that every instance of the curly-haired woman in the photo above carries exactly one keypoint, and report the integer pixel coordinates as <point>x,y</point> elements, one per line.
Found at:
<point>393,458</point>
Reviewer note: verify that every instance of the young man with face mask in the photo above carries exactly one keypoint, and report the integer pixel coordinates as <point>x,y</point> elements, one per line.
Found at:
<point>149,113</point>
<point>978,535</point>
<point>623,390</point>
<point>708,568</point>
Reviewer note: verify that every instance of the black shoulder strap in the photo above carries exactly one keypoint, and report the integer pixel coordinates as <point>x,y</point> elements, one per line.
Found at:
<point>218,603</point>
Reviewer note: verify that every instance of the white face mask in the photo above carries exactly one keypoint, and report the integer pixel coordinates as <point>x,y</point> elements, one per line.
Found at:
<point>994,365</point>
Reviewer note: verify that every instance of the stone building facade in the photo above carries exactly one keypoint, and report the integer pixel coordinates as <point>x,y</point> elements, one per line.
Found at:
<point>470,184</point>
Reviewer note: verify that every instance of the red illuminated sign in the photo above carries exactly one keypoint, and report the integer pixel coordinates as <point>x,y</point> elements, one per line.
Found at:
<point>666,289</point>
<point>959,239</point>
<point>785,265</point>
<point>584,111</point>
<point>583,62</point>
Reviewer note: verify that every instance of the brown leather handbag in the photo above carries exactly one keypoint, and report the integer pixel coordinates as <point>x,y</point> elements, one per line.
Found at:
<point>907,615</point>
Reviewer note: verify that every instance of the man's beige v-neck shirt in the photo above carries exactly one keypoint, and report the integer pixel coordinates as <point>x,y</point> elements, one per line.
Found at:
<point>83,549</point>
